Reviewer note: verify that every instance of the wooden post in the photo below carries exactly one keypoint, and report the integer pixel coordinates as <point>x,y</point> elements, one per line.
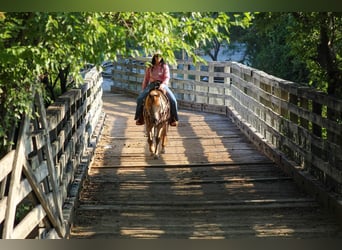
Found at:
<point>43,200</point>
<point>293,99</point>
<point>317,109</point>
<point>227,82</point>
<point>49,159</point>
<point>19,159</point>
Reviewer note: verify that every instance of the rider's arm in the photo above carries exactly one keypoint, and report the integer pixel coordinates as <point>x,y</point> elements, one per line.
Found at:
<point>146,79</point>
<point>166,75</point>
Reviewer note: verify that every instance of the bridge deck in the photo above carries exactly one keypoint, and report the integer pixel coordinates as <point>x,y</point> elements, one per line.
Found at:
<point>210,183</point>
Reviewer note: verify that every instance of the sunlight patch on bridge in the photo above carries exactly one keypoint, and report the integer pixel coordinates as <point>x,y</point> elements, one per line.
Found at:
<point>141,232</point>
<point>267,230</point>
<point>207,230</point>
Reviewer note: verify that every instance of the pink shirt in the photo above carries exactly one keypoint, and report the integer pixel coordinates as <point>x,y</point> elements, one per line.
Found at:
<point>158,73</point>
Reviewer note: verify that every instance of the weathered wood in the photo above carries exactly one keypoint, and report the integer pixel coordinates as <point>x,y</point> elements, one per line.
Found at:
<point>3,206</point>
<point>267,104</point>
<point>51,168</point>
<point>50,211</point>
<point>6,164</point>
<point>205,205</point>
<point>19,159</point>
<point>42,169</point>
<point>193,190</point>
<point>28,223</point>
<point>15,179</point>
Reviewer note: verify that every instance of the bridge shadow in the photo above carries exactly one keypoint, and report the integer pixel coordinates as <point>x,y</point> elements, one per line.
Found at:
<point>210,183</point>
<point>269,203</point>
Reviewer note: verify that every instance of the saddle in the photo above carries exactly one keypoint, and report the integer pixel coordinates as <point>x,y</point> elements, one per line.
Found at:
<point>155,85</point>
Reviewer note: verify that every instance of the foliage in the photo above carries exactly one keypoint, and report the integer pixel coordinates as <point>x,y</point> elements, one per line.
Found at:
<point>301,47</point>
<point>320,47</point>
<point>268,48</point>
<point>232,21</point>
<point>46,51</point>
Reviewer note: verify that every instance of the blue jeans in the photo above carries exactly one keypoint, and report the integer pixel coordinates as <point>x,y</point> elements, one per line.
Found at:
<point>170,95</point>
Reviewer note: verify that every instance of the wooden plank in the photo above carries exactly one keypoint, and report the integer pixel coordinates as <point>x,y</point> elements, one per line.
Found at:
<point>50,163</point>
<point>24,187</point>
<point>202,181</point>
<point>52,234</point>
<point>30,221</point>
<point>6,164</point>
<point>191,205</point>
<point>3,205</point>
<point>19,159</point>
<point>51,212</point>
<point>3,185</point>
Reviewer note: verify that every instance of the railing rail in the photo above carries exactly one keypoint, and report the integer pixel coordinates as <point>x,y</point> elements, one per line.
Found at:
<point>38,178</point>
<point>290,122</point>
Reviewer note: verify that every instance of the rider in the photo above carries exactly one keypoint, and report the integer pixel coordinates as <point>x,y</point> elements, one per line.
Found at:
<point>158,71</point>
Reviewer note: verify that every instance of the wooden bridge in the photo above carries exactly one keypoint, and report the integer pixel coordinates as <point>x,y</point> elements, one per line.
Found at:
<point>212,183</point>
<point>253,156</point>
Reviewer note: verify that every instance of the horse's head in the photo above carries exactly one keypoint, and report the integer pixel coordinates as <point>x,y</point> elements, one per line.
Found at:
<point>154,104</point>
<point>154,96</point>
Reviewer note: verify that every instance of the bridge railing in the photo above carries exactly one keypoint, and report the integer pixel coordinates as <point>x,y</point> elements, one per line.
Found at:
<point>40,179</point>
<point>296,126</point>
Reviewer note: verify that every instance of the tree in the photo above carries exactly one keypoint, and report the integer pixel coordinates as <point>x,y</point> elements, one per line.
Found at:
<point>317,38</point>
<point>301,47</point>
<point>268,47</point>
<point>232,21</point>
<point>46,51</point>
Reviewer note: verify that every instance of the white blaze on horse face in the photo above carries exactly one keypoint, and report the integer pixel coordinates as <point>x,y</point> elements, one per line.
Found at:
<point>156,114</point>
<point>156,106</point>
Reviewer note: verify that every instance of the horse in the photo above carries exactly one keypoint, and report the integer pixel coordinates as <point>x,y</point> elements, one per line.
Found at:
<point>156,113</point>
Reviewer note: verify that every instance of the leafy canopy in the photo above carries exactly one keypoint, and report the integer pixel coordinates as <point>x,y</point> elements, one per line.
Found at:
<point>304,47</point>
<point>60,43</point>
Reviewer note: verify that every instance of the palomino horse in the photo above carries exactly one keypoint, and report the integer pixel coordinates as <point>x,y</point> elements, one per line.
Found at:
<point>156,116</point>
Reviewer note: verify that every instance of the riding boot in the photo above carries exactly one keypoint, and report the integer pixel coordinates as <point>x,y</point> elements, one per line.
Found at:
<point>173,122</point>
<point>140,121</point>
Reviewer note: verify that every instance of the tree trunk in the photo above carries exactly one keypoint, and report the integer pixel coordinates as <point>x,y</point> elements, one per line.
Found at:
<point>63,76</point>
<point>327,60</point>
<point>326,57</point>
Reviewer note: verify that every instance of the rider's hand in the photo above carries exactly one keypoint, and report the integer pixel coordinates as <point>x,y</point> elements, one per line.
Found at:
<point>161,87</point>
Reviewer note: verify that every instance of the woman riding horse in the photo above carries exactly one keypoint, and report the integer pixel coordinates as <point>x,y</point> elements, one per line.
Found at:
<point>158,71</point>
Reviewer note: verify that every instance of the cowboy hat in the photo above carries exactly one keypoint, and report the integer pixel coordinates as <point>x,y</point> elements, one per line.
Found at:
<point>158,52</point>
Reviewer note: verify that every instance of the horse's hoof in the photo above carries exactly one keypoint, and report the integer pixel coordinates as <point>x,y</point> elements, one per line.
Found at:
<point>162,151</point>
<point>156,157</point>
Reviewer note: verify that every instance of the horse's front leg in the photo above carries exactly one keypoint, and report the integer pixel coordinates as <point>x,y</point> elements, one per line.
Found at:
<point>149,133</point>
<point>159,141</point>
<point>156,150</point>
<point>164,139</point>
